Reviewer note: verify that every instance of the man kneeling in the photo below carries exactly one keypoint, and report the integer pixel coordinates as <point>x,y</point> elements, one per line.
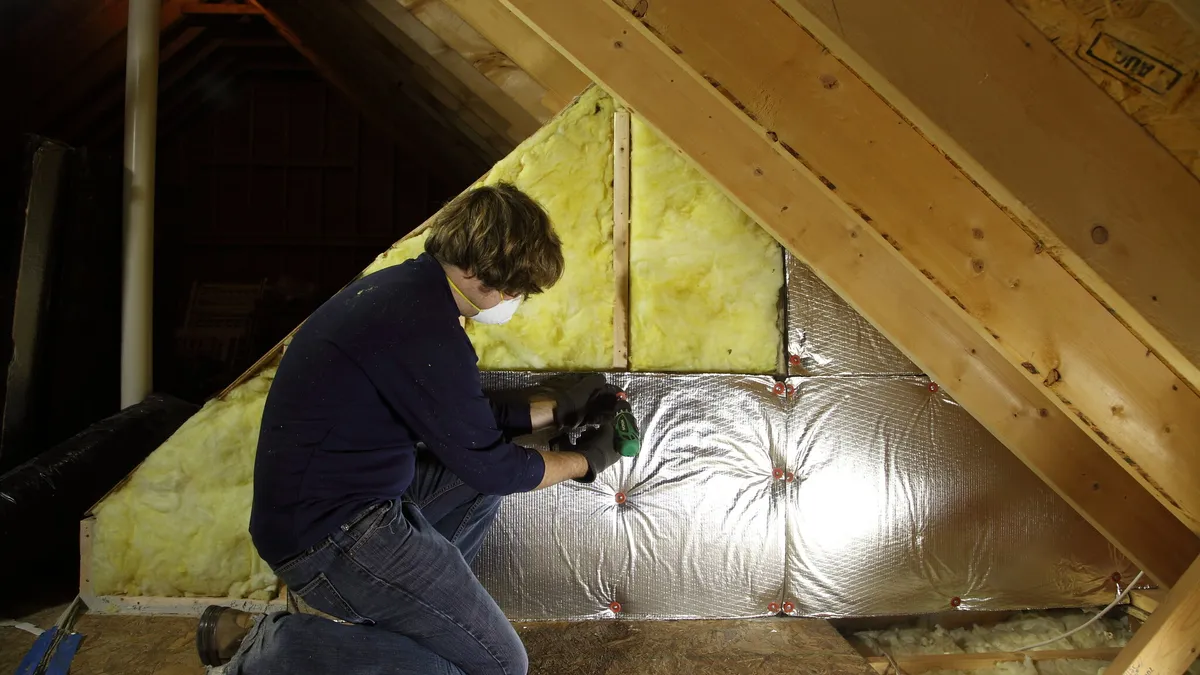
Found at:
<point>381,462</point>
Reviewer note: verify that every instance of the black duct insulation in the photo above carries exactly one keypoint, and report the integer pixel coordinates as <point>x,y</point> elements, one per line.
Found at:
<point>43,500</point>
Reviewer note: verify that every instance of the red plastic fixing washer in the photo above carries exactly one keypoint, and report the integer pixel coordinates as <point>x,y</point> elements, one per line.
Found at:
<point>955,601</point>
<point>788,608</point>
<point>933,386</point>
<point>773,608</point>
<point>622,395</point>
<point>620,497</point>
<point>615,607</point>
<point>1116,577</point>
<point>791,476</point>
<point>794,359</point>
<point>779,388</point>
<point>777,473</point>
<point>790,390</point>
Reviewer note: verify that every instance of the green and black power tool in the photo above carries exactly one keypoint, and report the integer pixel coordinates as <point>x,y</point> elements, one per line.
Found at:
<point>626,438</point>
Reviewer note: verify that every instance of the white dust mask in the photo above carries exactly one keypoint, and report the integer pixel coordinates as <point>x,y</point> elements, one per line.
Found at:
<point>501,313</point>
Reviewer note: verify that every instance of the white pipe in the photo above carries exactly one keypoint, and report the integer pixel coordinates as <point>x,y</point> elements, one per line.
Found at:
<point>137,290</point>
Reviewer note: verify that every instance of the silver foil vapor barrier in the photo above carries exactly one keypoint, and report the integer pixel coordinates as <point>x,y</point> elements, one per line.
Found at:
<point>826,337</point>
<point>825,496</point>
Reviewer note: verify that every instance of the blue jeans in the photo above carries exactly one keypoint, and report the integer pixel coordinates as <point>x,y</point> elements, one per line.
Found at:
<point>400,573</point>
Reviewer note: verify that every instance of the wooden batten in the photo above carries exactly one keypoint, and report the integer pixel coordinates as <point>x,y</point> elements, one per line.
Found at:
<point>621,180</point>
<point>1169,641</point>
<point>616,50</point>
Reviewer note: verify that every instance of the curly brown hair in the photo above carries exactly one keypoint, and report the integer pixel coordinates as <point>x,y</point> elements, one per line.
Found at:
<point>502,236</point>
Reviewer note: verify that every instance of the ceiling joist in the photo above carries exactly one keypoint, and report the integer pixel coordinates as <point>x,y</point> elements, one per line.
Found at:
<point>809,213</point>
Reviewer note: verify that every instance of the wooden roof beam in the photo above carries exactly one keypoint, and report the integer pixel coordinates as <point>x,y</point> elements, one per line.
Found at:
<point>562,80</point>
<point>381,102</point>
<point>444,65</point>
<point>1107,201</point>
<point>221,9</point>
<point>494,64</point>
<point>752,165</point>
<point>940,224</point>
<point>1169,641</point>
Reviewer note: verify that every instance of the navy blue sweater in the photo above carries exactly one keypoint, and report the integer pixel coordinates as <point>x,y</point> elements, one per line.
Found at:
<point>382,365</point>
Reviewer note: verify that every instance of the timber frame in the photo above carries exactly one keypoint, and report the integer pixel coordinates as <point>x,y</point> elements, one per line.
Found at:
<point>773,172</point>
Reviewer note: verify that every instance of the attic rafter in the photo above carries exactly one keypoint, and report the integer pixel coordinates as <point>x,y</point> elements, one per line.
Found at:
<point>469,89</point>
<point>1108,202</point>
<point>561,78</point>
<point>485,57</point>
<point>1048,326</point>
<point>378,99</point>
<point>614,49</point>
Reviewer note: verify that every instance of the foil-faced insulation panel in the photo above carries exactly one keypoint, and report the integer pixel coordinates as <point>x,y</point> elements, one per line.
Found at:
<point>902,503</point>
<point>825,336</point>
<point>692,527</point>
<point>828,496</point>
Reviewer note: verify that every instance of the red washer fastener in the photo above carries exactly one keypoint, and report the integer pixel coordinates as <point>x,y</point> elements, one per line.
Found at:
<point>933,386</point>
<point>622,395</point>
<point>955,601</point>
<point>790,390</point>
<point>615,607</point>
<point>794,359</point>
<point>773,608</point>
<point>777,473</point>
<point>791,476</point>
<point>788,608</point>
<point>779,388</point>
<point>620,497</point>
<point>1116,577</point>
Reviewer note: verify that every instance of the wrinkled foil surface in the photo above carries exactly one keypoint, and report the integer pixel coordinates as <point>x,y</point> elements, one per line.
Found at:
<point>853,488</point>
<point>828,336</point>
<point>696,532</point>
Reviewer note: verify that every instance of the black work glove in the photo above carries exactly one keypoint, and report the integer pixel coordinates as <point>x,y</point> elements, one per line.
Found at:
<point>596,445</point>
<point>571,394</point>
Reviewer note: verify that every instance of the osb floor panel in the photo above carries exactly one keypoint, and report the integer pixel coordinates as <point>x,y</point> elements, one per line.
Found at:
<point>123,645</point>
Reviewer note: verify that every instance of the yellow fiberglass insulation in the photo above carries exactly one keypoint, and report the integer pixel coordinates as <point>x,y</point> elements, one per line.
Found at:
<point>567,167</point>
<point>704,277</point>
<point>178,527</point>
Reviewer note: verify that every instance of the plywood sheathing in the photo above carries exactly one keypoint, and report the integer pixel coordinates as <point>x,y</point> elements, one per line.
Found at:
<point>1144,54</point>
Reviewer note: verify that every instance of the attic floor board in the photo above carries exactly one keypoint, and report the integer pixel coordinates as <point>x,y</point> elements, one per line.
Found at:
<point>127,645</point>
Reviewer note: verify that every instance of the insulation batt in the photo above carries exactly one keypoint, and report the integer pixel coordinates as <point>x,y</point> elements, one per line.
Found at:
<point>1010,635</point>
<point>178,527</point>
<point>567,167</point>
<point>705,279</point>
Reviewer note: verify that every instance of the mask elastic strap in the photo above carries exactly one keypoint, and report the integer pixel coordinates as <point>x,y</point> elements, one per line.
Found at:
<point>464,295</point>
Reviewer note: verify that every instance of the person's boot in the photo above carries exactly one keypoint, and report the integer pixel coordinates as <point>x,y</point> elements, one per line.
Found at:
<point>220,633</point>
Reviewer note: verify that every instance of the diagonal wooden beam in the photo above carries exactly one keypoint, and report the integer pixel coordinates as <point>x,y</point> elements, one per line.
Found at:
<point>435,57</point>
<point>787,198</point>
<point>1169,641</point>
<point>485,57</point>
<point>446,68</point>
<point>559,76</point>
<point>379,101</point>
<point>220,9</point>
<point>943,226</point>
<point>1109,203</point>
